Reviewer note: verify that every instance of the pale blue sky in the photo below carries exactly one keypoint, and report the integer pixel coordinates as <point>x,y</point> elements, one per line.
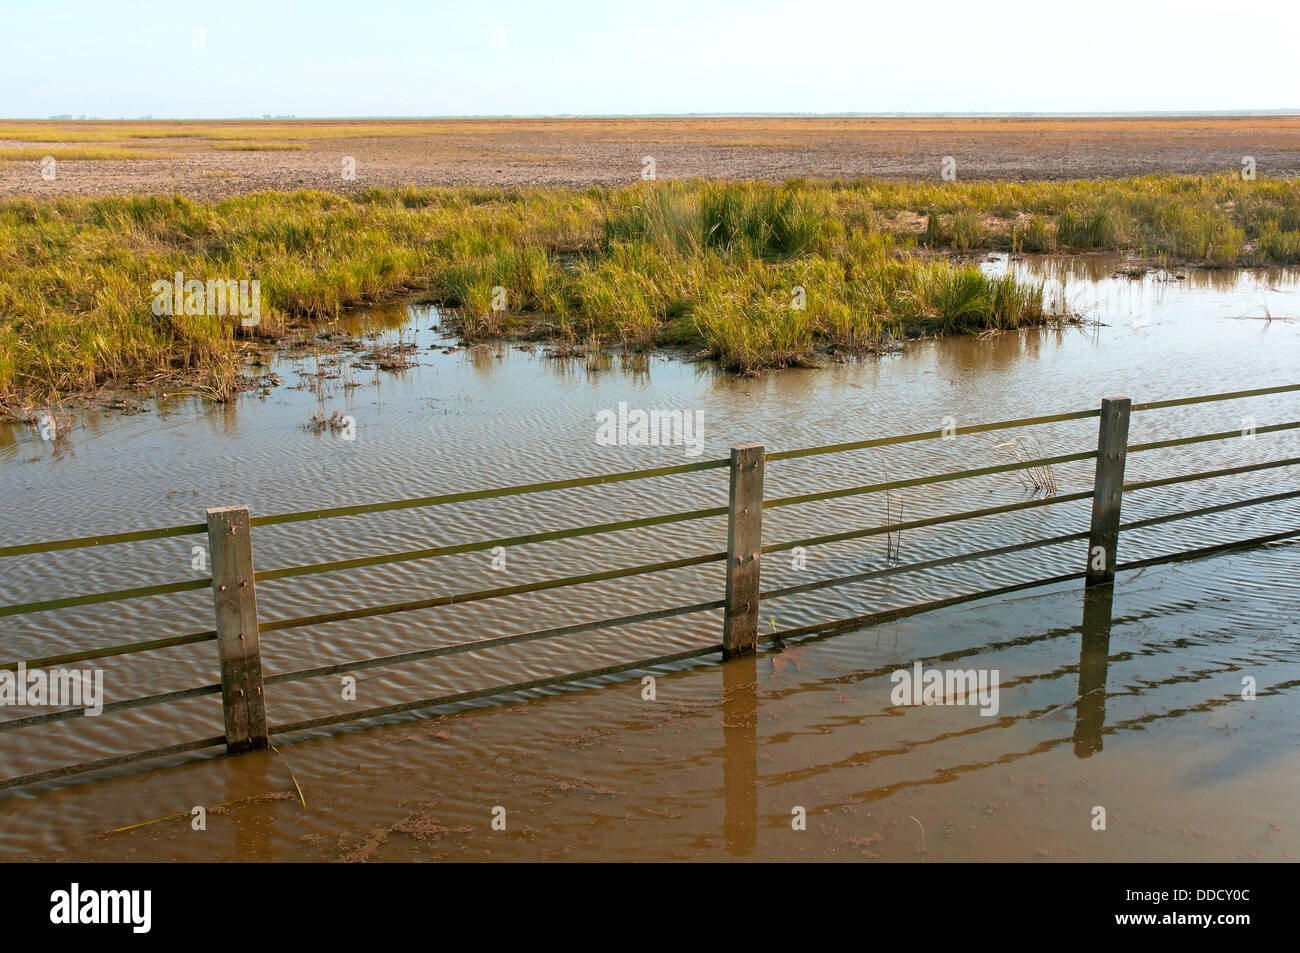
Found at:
<point>486,57</point>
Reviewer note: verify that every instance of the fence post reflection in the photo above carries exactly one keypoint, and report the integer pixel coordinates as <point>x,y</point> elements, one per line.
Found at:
<point>253,818</point>
<point>1094,653</point>
<point>740,753</point>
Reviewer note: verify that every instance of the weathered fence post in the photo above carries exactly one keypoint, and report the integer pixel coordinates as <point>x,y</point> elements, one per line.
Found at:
<point>1108,490</point>
<point>231,547</point>
<point>744,544</point>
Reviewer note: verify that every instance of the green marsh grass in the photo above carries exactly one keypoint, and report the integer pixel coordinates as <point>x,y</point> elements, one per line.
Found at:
<point>709,266</point>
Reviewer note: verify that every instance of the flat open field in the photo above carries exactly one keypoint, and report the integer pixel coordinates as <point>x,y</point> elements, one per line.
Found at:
<point>211,160</point>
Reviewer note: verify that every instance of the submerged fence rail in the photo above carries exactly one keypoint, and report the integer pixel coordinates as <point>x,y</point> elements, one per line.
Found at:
<point>238,625</point>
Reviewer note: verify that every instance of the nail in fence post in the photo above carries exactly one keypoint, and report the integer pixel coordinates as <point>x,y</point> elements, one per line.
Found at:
<point>1108,490</point>
<point>231,546</point>
<point>744,543</point>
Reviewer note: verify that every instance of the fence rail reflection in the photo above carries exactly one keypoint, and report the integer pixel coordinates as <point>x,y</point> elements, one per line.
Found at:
<point>238,625</point>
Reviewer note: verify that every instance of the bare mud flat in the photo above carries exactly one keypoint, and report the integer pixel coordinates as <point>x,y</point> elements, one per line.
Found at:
<point>210,160</point>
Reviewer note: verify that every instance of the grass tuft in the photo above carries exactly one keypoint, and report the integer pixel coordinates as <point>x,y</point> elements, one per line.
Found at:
<point>757,275</point>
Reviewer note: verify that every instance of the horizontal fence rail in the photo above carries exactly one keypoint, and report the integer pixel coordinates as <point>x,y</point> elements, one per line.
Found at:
<point>238,625</point>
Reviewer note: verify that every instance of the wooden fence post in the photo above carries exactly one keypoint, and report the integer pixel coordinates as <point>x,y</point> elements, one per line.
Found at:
<point>230,545</point>
<point>744,546</point>
<point>1108,490</point>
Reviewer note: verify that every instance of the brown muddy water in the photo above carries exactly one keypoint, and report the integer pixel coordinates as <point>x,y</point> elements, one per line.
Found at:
<point>713,767</point>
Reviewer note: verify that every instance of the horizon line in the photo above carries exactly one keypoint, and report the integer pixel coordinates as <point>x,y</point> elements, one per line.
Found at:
<point>938,114</point>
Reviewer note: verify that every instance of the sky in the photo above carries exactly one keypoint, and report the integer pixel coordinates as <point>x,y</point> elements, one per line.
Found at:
<point>240,58</point>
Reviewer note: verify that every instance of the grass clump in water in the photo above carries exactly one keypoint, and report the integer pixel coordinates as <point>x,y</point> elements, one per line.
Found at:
<point>756,275</point>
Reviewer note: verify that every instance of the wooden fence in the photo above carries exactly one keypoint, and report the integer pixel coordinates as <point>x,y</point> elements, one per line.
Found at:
<point>234,579</point>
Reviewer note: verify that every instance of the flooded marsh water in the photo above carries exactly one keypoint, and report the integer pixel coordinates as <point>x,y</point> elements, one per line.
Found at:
<point>712,768</point>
